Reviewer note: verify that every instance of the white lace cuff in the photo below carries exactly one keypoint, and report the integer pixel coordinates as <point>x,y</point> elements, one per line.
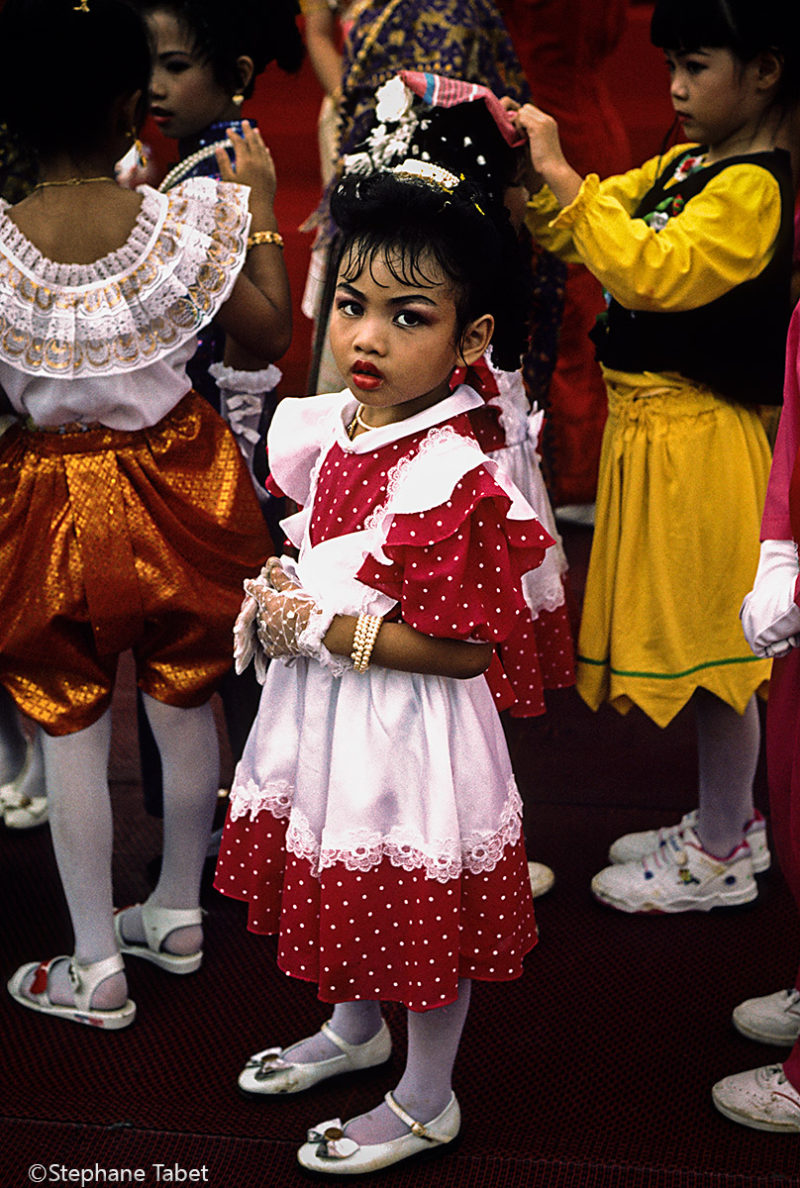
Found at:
<point>254,382</point>
<point>310,642</point>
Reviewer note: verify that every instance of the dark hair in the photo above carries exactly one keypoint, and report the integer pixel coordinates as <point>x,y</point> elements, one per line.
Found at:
<point>222,31</point>
<point>746,27</point>
<point>85,62</point>
<point>466,140</point>
<point>467,233</point>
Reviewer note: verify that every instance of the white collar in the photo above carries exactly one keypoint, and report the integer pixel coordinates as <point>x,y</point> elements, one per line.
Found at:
<point>462,400</point>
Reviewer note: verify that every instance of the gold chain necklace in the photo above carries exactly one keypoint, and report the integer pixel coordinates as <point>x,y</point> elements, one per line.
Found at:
<point>73,181</point>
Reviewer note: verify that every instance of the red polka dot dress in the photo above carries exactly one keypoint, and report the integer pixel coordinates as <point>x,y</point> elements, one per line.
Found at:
<point>374,820</point>
<point>540,653</point>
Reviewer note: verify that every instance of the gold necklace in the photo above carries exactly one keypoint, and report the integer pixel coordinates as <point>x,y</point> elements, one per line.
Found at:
<point>358,422</point>
<point>73,181</point>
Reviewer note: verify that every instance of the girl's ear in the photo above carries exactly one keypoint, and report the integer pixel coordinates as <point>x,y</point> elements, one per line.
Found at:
<point>476,338</point>
<point>246,70</point>
<point>770,69</point>
<point>128,113</point>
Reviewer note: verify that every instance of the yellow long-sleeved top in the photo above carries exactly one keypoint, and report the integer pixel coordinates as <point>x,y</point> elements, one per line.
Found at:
<point>724,235</point>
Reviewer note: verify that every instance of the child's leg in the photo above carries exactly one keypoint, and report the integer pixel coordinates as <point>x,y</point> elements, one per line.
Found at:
<point>12,740</point>
<point>728,747</point>
<point>354,1022</point>
<point>187,741</point>
<point>425,1087</point>
<point>76,770</point>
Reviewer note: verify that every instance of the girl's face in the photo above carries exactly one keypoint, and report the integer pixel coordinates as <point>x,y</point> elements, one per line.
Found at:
<point>395,343</point>
<point>185,97</point>
<point>716,97</point>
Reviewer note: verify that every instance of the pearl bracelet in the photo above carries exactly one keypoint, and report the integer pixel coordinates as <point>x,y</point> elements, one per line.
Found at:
<point>264,237</point>
<point>366,632</point>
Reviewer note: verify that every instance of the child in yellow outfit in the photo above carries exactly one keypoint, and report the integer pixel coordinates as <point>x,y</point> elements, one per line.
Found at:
<point>694,249</point>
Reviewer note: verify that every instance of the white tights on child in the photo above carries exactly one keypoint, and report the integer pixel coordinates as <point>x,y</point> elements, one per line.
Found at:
<point>425,1087</point>
<point>76,769</point>
<point>12,740</point>
<point>727,747</point>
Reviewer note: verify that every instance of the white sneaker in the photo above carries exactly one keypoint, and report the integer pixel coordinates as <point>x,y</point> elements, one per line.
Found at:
<point>773,1019</point>
<point>678,877</point>
<point>632,847</point>
<point>762,1098</point>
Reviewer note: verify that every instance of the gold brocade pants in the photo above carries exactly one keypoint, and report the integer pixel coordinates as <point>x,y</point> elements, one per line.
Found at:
<point>114,540</point>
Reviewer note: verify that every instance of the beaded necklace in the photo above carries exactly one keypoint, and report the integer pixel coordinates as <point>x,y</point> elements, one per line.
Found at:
<point>185,167</point>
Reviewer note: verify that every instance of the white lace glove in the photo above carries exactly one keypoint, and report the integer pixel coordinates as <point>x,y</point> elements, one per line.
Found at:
<point>280,620</point>
<point>241,402</point>
<point>770,616</point>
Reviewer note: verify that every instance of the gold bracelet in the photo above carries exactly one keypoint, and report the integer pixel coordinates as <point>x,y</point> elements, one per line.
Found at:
<point>264,237</point>
<point>364,636</point>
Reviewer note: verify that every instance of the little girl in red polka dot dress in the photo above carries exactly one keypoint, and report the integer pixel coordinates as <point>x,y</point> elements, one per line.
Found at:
<point>374,822</point>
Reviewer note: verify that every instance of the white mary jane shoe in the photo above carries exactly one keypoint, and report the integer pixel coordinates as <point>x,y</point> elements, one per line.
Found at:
<point>329,1150</point>
<point>266,1072</point>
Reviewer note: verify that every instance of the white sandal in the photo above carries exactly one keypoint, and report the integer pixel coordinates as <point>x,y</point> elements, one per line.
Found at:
<point>159,923</point>
<point>84,980</point>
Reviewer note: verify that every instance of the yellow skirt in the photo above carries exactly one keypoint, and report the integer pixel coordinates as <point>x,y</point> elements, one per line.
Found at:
<point>681,489</point>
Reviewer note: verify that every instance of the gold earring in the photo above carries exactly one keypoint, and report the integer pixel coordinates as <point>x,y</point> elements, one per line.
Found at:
<point>238,98</point>
<point>138,148</point>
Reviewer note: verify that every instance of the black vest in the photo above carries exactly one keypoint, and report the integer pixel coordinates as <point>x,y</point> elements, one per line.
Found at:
<point>736,344</point>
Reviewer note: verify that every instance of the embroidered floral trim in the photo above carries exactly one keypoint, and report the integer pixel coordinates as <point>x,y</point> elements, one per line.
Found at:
<point>249,799</point>
<point>442,859</point>
<point>133,306</point>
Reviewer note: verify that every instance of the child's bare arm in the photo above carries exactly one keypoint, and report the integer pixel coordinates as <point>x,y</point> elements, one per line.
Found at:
<point>283,616</point>
<point>547,158</point>
<point>320,38</point>
<point>258,314</point>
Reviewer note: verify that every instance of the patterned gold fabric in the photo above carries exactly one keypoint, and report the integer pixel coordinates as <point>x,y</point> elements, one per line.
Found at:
<point>112,540</point>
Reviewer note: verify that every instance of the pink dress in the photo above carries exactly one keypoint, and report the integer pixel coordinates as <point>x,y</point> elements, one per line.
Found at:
<point>374,819</point>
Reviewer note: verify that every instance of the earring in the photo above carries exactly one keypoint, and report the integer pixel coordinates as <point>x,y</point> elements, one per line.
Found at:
<point>138,148</point>
<point>238,98</point>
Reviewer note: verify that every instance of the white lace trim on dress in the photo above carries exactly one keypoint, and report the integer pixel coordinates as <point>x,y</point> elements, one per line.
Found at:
<point>363,849</point>
<point>137,304</point>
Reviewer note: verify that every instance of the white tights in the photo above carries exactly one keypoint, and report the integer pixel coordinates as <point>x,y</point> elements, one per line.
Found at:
<point>76,768</point>
<point>728,747</point>
<point>426,1084</point>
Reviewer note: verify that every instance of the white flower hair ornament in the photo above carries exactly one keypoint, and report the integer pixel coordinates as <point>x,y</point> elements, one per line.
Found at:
<point>389,140</point>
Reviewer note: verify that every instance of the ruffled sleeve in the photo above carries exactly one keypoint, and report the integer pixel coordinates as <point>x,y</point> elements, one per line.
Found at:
<point>721,237</point>
<point>300,429</point>
<point>134,306</point>
<point>456,569</point>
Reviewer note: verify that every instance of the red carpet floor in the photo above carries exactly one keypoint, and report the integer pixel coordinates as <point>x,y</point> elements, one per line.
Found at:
<point>592,1071</point>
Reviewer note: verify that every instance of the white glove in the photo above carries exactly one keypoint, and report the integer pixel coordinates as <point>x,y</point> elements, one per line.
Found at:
<point>280,620</point>
<point>770,616</point>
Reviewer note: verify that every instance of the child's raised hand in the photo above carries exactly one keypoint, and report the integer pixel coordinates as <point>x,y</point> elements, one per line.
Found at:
<point>547,157</point>
<point>252,163</point>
